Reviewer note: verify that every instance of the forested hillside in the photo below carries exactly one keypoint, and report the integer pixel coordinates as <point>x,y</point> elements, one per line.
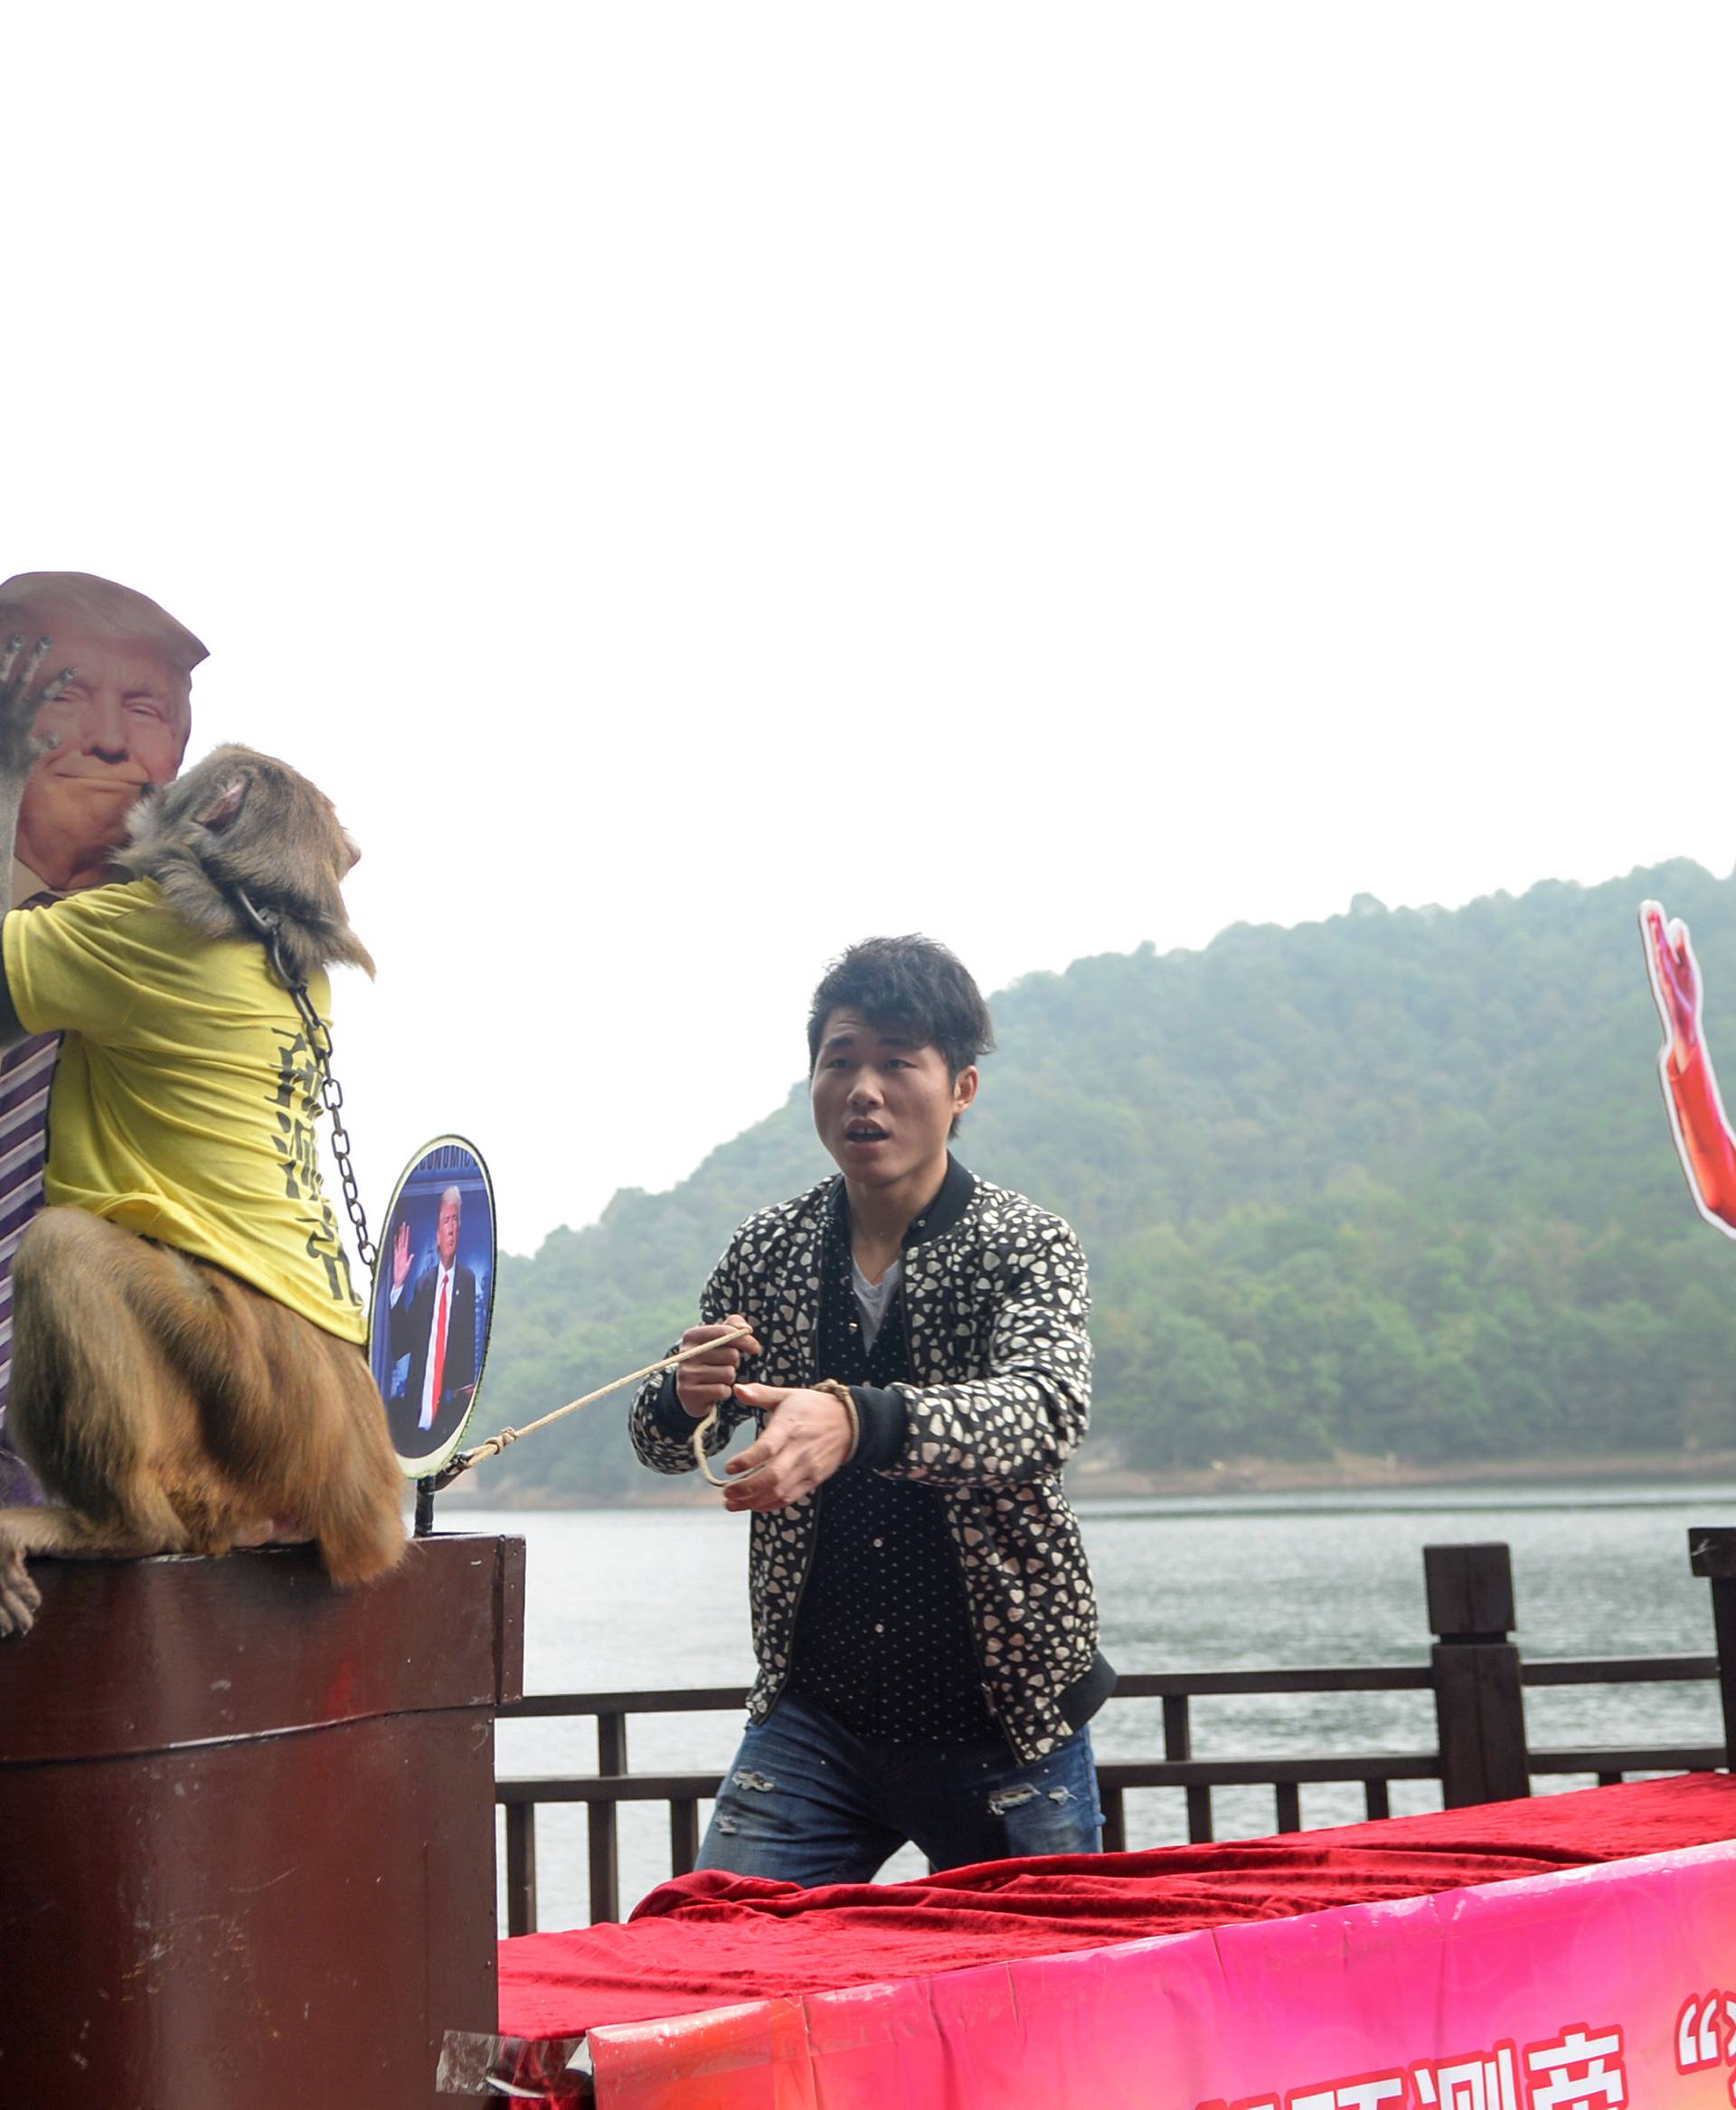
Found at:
<point>1397,1182</point>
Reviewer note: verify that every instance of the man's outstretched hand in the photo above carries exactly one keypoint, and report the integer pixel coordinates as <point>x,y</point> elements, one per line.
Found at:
<point>20,701</point>
<point>806,1437</point>
<point>1676,979</point>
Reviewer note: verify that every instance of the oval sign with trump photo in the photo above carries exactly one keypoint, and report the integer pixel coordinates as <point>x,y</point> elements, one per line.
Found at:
<point>433,1295</point>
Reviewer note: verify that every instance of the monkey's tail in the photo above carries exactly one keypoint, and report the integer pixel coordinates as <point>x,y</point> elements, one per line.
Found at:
<point>360,1534</point>
<point>354,1511</point>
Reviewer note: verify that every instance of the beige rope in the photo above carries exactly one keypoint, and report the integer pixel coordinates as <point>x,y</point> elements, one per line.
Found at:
<point>700,1458</point>
<point>497,1443</point>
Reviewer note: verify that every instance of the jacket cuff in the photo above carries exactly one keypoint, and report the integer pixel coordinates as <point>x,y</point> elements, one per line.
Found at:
<point>670,1416</point>
<point>1085,1695</point>
<point>883,1422</point>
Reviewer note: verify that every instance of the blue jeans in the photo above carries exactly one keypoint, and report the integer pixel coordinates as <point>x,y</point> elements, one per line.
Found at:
<point>806,1802</point>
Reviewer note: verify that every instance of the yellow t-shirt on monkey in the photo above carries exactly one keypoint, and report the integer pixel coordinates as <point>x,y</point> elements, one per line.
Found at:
<point>186,1096</point>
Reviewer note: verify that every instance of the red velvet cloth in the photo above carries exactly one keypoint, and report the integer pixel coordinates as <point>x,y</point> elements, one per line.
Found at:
<point>704,1941</point>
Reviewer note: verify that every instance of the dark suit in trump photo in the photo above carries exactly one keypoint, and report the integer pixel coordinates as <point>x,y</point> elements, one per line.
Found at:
<point>431,1315</point>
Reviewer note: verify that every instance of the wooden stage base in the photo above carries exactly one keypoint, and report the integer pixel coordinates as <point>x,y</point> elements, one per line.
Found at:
<point>247,1842</point>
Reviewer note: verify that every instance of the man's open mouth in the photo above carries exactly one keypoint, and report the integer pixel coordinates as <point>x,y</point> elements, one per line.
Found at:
<point>865,1132</point>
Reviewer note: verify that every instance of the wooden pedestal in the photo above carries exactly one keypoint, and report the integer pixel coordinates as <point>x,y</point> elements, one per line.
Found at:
<point>247,1842</point>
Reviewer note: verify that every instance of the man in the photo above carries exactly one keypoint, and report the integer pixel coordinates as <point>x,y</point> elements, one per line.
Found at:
<point>120,724</point>
<point>435,1327</point>
<point>920,1371</point>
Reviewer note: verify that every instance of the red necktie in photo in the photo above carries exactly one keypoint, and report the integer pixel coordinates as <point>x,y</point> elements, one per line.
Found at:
<point>440,1345</point>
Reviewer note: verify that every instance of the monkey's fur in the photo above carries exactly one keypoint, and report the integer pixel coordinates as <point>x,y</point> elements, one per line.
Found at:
<point>240,819</point>
<point>170,1406</point>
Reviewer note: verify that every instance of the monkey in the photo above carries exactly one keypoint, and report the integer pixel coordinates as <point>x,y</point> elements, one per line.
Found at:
<point>187,1368</point>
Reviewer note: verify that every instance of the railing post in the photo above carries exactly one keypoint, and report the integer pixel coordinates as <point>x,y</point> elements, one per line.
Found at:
<point>521,1868</point>
<point>1712,1553</point>
<point>1480,1704</point>
<point>604,1847</point>
<point>1178,1743</point>
<point>683,1835</point>
<point>1114,1805</point>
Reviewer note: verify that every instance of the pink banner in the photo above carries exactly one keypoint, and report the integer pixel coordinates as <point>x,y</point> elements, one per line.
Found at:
<point>1610,1986</point>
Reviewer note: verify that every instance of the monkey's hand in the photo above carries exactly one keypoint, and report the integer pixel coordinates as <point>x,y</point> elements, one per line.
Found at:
<point>21,697</point>
<point>20,1599</point>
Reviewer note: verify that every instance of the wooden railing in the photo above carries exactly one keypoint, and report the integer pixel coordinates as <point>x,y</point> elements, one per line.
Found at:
<point>1474,1672</point>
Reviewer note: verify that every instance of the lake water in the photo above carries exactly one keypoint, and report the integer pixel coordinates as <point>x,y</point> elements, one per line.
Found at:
<point>639,1599</point>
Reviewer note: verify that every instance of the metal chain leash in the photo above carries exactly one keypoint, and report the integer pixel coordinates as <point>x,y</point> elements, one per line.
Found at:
<point>331,1092</point>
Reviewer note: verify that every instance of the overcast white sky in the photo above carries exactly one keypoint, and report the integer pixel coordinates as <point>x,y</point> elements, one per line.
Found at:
<point>699,485</point>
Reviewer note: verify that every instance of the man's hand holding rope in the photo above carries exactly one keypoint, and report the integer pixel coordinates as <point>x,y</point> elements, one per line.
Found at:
<point>705,1381</point>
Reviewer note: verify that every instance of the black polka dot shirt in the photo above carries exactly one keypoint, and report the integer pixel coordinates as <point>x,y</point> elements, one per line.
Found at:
<point>883,1635</point>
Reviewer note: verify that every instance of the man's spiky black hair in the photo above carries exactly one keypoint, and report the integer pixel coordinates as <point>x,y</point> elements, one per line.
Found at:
<point>911,983</point>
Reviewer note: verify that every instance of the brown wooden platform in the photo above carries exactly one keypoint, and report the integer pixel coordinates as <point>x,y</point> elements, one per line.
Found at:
<point>246,1831</point>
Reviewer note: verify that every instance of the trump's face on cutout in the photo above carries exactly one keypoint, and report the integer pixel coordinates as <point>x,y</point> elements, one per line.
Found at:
<point>120,725</point>
<point>446,1230</point>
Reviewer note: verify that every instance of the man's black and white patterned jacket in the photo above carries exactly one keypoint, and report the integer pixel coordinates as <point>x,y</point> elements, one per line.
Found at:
<point>996,1304</point>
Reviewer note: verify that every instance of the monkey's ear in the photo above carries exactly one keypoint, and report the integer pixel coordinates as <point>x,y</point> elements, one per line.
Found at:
<point>224,810</point>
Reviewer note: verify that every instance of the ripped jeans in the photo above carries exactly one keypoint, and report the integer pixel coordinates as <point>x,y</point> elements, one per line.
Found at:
<point>806,1802</point>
